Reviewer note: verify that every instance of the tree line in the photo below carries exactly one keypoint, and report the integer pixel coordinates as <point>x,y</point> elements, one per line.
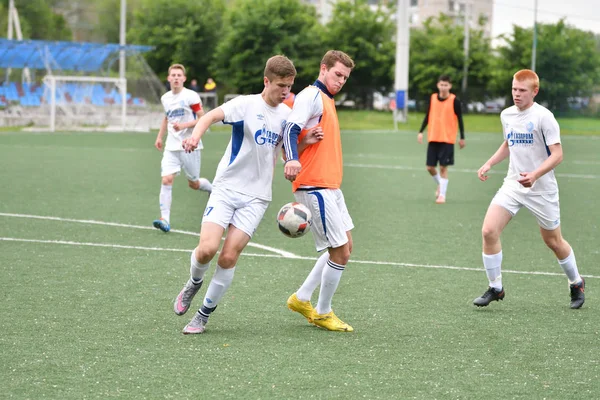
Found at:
<point>230,41</point>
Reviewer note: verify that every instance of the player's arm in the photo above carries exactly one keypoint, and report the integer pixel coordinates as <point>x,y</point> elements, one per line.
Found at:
<point>556,156</point>
<point>292,166</point>
<point>201,127</point>
<point>304,109</point>
<point>551,133</point>
<point>498,156</point>
<point>424,124</point>
<point>161,133</point>
<point>197,109</point>
<point>461,125</point>
<point>313,135</point>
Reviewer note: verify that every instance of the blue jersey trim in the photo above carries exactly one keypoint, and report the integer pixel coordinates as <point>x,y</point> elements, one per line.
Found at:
<point>290,140</point>
<point>321,202</point>
<point>237,138</point>
<point>547,148</point>
<point>323,88</point>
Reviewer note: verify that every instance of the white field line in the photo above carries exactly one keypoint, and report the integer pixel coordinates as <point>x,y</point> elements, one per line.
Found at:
<point>470,171</point>
<point>585,162</point>
<point>282,253</point>
<point>380,156</point>
<point>294,257</point>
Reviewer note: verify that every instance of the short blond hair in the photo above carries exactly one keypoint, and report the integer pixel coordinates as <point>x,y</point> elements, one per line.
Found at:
<point>333,56</point>
<point>279,67</point>
<point>527,75</point>
<point>177,66</point>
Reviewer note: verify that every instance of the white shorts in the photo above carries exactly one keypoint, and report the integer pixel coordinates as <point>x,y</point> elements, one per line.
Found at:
<point>544,207</point>
<point>225,207</point>
<point>173,161</point>
<point>330,217</point>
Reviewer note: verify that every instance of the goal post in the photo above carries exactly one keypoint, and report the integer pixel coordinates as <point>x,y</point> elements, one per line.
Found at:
<point>101,103</point>
<point>52,81</point>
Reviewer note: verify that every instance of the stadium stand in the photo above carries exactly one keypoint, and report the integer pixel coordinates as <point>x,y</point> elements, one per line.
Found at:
<point>89,96</point>
<point>72,57</point>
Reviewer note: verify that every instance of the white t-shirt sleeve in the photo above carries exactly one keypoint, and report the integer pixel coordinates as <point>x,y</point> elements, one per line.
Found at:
<point>550,129</point>
<point>503,122</point>
<point>235,109</point>
<point>163,102</point>
<point>308,104</point>
<point>194,98</point>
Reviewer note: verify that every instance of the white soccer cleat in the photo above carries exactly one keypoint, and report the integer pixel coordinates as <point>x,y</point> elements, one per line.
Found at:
<point>196,326</point>
<point>184,299</point>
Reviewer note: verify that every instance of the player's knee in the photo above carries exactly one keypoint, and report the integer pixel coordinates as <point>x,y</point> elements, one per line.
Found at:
<point>228,259</point>
<point>341,255</point>
<point>167,180</point>
<point>205,252</point>
<point>489,234</point>
<point>554,243</point>
<point>431,170</point>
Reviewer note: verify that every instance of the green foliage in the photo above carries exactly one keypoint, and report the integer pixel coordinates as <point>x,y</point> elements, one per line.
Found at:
<point>3,19</point>
<point>182,31</point>
<point>567,62</point>
<point>437,49</point>
<point>367,36</point>
<point>37,19</point>
<point>109,17</point>
<point>255,31</point>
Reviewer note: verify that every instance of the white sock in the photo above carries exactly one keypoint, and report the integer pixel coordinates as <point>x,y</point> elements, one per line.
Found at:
<point>197,270</point>
<point>205,185</point>
<point>493,265</point>
<point>330,279</point>
<point>569,265</point>
<point>313,279</point>
<point>165,198</point>
<point>436,178</point>
<point>219,284</point>
<point>443,186</point>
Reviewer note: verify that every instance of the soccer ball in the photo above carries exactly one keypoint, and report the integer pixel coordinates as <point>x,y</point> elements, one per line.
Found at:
<point>294,219</point>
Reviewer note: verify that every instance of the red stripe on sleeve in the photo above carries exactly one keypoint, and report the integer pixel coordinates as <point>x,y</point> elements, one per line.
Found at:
<point>196,107</point>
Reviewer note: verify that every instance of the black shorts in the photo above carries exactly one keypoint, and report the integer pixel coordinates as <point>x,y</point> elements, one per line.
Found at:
<point>440,152</point>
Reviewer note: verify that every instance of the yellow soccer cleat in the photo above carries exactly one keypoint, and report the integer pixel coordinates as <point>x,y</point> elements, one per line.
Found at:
<point>331,322</point>
<point>302,307</point>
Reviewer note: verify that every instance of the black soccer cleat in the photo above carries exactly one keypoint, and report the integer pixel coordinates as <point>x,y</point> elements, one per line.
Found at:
<point>577,294</point>
<point>490,295</point>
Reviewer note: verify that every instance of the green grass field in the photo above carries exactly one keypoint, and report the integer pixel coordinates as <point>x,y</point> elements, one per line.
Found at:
<point>379,120</point>
<point>87,284</point>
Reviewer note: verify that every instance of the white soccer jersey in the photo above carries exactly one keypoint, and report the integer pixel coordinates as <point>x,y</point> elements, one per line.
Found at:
<point>256,137</point>
<point>178,108</point>
<point>308,108</point>
<point>528,134</point>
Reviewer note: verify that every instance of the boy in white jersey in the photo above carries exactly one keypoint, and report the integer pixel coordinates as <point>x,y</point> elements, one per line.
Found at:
<point>532,140</point>
<point>182,106</point>
<point>242,184</point>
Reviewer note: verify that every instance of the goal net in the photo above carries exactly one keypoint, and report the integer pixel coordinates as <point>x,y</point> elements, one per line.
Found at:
<point>78,102</point>
<point>100,103</point>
